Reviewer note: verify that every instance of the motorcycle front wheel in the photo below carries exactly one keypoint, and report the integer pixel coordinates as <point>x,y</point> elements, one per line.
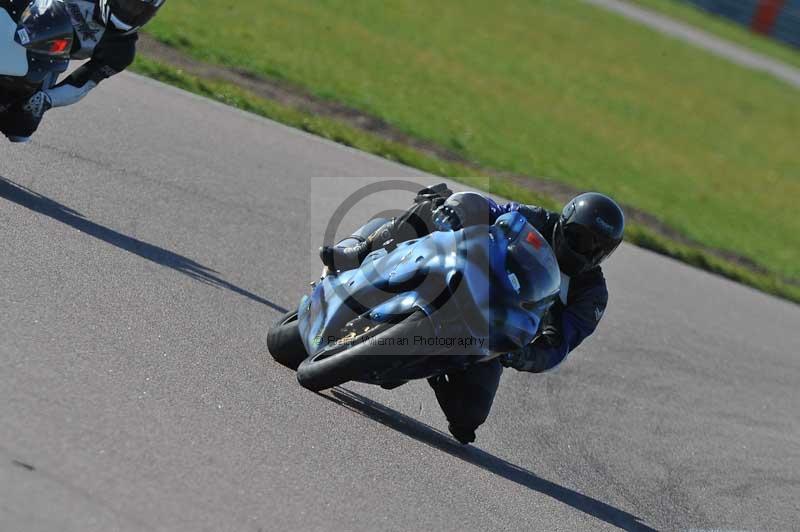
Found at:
<point>387,346</point>
<point>284,342</point>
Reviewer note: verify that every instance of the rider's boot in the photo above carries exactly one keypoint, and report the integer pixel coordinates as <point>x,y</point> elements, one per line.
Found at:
<point>414,223</point>
<point>442,388</point>
<point>349,253</point>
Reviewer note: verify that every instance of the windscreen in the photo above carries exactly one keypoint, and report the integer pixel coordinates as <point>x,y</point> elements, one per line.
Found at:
<point>532,262</point>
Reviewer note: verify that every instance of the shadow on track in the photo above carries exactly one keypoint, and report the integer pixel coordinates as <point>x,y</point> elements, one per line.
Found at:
<point>475,456</point>
<point>61,213</point>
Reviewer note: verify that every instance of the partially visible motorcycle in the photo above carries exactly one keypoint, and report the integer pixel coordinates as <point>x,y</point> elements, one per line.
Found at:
<point>422,308</point>
<point>35,43</point>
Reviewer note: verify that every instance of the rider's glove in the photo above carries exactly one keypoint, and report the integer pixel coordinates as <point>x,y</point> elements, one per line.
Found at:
<point>536,356</point>
<point>532,358</point>
<point>550,330</point>
<point>509,360</point>
<point>38,104</point>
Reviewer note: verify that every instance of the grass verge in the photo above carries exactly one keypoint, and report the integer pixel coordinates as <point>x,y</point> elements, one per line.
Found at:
<point>557,89</point>
<point>351,136</point>
<point>722,27</point>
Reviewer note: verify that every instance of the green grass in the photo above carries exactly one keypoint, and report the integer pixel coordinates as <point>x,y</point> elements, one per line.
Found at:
<point>724,28</point>
<point>357,138</point>
<point>553,88</point>
<point>336,131</point>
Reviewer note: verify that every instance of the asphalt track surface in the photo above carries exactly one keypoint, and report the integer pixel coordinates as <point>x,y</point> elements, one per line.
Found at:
<point>147,244</point>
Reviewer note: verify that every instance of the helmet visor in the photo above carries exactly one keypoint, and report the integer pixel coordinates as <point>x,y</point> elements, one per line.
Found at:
<point>580,239</point>
<point>531,260</point>
<point>588,244</point>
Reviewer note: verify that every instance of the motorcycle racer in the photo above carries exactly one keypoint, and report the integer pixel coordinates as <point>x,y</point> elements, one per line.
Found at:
<point>585,233</point>
<point>106,32</point>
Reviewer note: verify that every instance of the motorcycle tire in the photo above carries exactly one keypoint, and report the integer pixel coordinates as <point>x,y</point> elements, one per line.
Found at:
<point>338,365</point>
<point>284,342</point>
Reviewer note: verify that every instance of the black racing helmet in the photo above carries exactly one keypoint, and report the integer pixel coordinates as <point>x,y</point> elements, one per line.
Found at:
<point>589,230</point>
<point>128,15</point>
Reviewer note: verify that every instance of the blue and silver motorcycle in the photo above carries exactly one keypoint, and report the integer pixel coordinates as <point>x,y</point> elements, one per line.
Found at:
<point>429,306</point>
<point>35,42</point>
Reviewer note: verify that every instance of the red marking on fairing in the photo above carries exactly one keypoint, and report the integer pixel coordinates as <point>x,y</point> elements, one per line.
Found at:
<point>59,46</point>
<point>766,14</point>
<point>534,240</point>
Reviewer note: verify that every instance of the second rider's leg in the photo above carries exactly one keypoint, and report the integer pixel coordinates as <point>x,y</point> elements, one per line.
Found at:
<point>416,222</point>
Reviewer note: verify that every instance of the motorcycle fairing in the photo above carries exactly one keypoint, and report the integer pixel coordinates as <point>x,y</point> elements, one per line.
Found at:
<point>455,277</point>
<point>13,56</point>
<point>35,23</point>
